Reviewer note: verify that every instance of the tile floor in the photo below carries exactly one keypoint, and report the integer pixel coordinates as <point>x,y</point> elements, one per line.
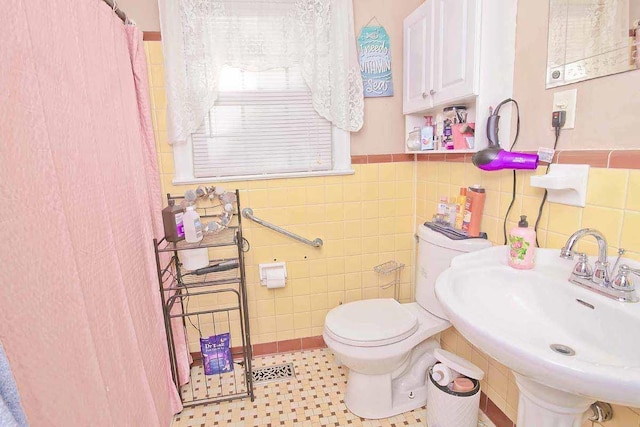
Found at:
<point>313,398</point>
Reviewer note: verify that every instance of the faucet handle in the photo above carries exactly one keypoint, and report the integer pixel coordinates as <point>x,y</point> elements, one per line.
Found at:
<point>583,268</point>
<point>601,273</point>
<point>622,281</point>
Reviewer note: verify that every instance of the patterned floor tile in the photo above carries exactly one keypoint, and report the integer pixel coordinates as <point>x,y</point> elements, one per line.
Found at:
<point>314,398</point>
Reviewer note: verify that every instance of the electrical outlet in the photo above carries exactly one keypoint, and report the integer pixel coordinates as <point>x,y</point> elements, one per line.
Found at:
<point>566,101</point>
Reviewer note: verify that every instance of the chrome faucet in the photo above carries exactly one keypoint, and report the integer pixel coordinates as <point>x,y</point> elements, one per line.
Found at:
<point>601,272</point>
<point>598,279</point>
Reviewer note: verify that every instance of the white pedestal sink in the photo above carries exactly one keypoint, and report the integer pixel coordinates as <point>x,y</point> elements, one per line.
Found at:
<point>520,317</point>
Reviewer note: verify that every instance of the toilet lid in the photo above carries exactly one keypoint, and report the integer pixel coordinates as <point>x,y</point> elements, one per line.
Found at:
<point>370,323</point>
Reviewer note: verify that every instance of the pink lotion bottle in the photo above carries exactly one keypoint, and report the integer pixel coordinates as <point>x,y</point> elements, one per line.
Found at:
<point>522,245</point>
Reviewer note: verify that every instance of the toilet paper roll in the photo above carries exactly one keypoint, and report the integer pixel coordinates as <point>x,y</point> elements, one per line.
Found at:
<point>275,278</point>
<point>273,275</point>
<point>275,283</point>
<point>444,375</point>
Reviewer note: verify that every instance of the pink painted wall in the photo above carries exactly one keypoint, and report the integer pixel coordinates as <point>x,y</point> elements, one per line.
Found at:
<point>607,107</point>
<point>606,110</point>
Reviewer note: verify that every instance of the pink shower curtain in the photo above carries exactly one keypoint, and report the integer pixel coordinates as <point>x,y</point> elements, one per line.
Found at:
<point>80,315</point>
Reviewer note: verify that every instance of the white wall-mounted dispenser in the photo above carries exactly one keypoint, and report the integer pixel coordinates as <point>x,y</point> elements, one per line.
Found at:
<point>273,275</point>
<point>566,184</point>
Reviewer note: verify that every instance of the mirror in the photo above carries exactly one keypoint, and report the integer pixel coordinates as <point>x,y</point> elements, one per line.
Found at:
<point>591,38</point>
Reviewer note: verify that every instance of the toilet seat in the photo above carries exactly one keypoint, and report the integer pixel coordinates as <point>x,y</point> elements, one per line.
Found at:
<point>370,323</point>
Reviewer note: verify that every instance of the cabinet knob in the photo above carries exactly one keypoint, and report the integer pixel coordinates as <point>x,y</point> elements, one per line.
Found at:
<point>432,92</point>
<point>424,95</point>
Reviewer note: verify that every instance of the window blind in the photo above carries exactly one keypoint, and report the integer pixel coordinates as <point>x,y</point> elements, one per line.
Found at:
<point>262,123</point>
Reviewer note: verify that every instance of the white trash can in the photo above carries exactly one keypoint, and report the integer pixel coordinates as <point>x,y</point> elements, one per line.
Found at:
<point>448,408</point>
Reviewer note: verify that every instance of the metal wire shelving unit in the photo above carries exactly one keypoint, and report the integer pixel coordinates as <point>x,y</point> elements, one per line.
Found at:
<point>204,305</point>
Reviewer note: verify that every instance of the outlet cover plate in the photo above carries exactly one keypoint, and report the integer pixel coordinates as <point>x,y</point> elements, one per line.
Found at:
<point>566,101</point>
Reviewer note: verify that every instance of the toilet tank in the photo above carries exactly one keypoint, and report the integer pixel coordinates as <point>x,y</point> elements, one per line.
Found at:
<point>435,252</point>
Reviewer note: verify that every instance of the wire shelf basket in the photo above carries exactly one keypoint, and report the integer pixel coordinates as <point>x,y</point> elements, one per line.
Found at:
<point>388,267</point>
<point>391,267</point>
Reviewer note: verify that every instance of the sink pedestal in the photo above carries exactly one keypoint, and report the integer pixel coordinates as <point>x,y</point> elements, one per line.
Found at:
<point>542,406</point>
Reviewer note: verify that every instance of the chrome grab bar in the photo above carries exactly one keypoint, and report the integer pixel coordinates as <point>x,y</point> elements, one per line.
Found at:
<point>248,213</point>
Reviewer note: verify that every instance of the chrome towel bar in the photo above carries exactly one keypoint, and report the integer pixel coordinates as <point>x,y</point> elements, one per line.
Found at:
<point>248,213</point>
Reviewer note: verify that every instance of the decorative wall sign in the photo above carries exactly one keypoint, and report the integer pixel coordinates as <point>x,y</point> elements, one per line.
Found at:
<point>374,54</point>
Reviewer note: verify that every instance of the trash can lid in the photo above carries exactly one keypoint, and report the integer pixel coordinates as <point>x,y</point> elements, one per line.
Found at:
<point>457,363</point>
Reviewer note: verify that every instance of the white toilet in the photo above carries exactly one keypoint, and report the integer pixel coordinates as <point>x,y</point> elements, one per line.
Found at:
<point>388,346</point>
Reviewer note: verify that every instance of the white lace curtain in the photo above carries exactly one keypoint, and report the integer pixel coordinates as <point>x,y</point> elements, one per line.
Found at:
<point>200,37</point>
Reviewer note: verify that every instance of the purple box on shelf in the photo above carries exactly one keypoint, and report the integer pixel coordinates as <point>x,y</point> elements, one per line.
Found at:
<point>216,354</point>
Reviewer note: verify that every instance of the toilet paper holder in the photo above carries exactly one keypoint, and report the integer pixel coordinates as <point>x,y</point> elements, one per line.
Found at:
<point>273,275</point>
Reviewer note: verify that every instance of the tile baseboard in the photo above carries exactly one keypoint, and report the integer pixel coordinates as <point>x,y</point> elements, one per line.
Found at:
<point>151,36</point>
<point>495,414</point>
<point>274,347</point>
<point>286,346</point>
<point>613,159</point>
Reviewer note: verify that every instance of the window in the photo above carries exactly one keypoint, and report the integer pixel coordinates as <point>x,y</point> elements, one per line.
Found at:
<point>293,58</point>
<point>263,125</point>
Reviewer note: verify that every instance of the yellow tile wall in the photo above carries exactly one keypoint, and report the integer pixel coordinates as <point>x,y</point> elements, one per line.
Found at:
<point>364,219</point>
<point>613,207</point>
<point>369,218</point>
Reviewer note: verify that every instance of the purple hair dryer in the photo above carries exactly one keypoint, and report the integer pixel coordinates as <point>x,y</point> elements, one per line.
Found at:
<point>495,158</point>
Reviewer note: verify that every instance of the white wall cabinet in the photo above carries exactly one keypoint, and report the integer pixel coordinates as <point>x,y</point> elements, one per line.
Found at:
<point>417,61</point>
<point>459,52</point>
<point>439,55</point>
<point>455,52</point>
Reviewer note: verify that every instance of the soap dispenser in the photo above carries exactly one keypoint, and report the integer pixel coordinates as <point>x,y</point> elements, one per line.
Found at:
<point>522,245</point>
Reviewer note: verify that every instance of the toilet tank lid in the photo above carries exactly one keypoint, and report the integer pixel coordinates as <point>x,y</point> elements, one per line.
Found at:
<point>370,322</point>
<point>465,245</point>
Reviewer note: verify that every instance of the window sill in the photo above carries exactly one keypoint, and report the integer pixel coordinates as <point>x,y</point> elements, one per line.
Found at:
<point>186,181</point>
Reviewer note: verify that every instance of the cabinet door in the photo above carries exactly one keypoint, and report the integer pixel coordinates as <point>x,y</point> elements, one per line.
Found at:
<point>455,56</point>
<point>417,59</point>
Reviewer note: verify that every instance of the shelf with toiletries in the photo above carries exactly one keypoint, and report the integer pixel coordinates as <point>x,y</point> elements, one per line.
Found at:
<point>225,237</point>
<point>457,52</point>
<point>203,286</point>
<point>459,217</point>
<point>450,129</point>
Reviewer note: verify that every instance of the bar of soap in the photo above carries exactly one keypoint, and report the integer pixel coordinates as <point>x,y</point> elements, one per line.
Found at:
<point>463,385</point>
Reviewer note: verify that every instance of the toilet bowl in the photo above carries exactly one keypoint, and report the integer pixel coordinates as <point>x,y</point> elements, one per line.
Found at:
<point>388,346</point>
<point>376,340</point>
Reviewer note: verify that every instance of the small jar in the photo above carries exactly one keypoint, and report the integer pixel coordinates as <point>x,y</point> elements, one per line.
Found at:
<point>413,141</point>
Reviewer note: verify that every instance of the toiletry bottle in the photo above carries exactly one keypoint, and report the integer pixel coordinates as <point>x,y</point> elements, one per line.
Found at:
<point>441,210</point>
<point>452,209</point>
<point>172,222</point>
<point>439,128</point>
<point>426,134</point>
<point>522,245</point>
<point>460,206</point>
<point>473,210</point>
<point>442,206</point>
<point>192,225</point>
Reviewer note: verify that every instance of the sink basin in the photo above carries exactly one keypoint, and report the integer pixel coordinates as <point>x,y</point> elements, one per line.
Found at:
<point>515,316</point>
